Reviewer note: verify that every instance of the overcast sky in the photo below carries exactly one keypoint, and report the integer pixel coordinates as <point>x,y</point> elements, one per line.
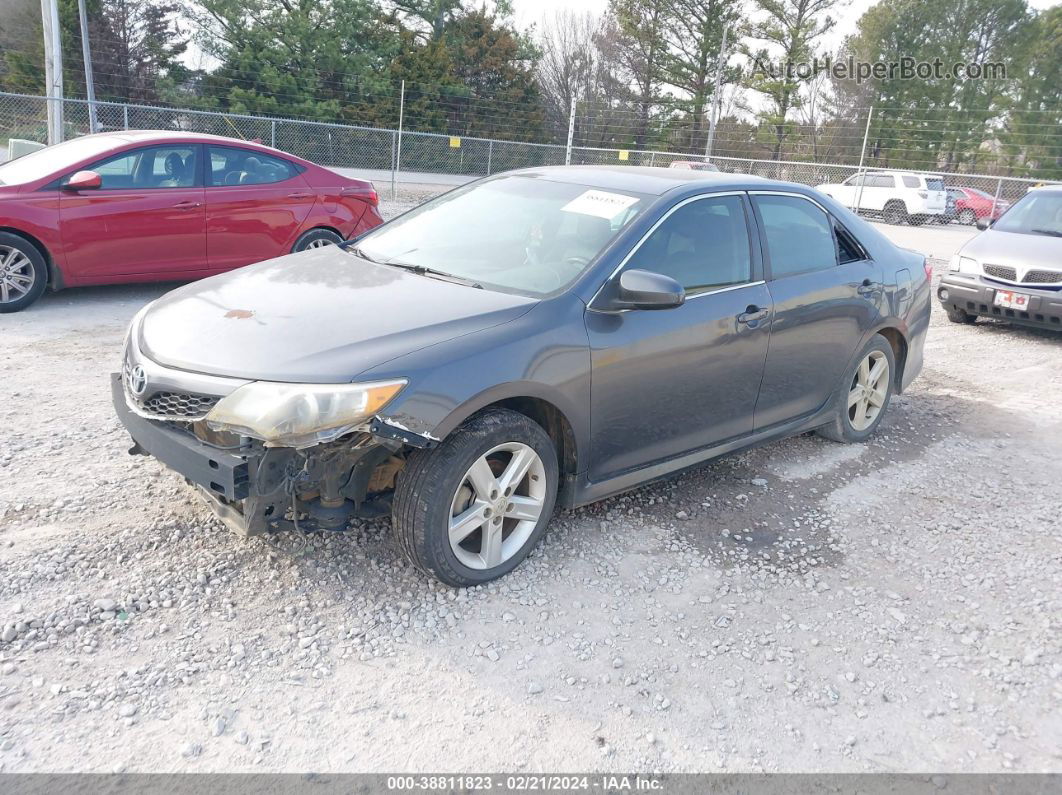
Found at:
<point>531,11</point>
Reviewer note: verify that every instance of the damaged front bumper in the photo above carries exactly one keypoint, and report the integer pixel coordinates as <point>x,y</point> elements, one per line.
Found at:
<point>254,488</point>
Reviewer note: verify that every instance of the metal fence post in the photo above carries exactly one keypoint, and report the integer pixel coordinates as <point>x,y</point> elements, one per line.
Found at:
<point>995,199</point>
<point>862,155</point>
<point>125,117</point>
<point>490,154</point>
<point>571,133</point>
<point>273,133</point>
<point>398,144</point>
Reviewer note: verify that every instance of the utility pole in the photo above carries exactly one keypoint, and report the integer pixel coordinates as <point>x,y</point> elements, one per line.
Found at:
<point>53,69</point>
<point>720,64</point>
<point>571,133</point>
<point>862,156</point>
<point>398,142</point>
<point>86,54</point>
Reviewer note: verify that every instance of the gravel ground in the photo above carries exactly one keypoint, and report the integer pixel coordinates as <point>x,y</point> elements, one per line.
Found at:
<point>805,606</point>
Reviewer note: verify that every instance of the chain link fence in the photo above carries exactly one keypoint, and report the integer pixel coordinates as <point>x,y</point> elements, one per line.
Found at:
<point>409,157</point>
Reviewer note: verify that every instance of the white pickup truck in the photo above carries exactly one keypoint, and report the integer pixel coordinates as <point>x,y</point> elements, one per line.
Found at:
<point>897,196</point>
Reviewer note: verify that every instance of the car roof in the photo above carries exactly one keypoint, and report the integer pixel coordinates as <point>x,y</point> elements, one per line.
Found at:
<point>646,179</point>
<point>122,137</point>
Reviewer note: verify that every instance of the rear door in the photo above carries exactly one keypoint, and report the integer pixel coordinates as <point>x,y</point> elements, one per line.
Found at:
<point>936,195</point>
<point>669,381</point>
<point>826,293</point>
<point>878,190</point>
<point>255,206</point>
<point>146,218</point>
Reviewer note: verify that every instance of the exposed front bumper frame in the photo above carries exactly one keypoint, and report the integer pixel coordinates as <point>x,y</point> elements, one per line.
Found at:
<point>976,295</point>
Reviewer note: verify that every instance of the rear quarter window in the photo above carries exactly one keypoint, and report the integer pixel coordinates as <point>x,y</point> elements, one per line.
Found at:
<point>910,182</point>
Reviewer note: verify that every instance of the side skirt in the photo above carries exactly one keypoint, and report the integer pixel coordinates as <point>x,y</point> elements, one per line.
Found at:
<point>584,492</point>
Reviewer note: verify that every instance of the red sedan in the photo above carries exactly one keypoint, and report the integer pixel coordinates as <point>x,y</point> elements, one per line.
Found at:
<point>148,206</point>
<point>972,204</point>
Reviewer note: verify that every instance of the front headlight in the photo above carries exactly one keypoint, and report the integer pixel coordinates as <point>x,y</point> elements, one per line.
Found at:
<point>963,265</point>
<point>299,415</point>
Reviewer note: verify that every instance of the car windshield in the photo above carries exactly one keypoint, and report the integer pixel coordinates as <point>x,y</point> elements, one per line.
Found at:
<point>1034,214</point>
<point>521,234</point>
<point>51,159</point>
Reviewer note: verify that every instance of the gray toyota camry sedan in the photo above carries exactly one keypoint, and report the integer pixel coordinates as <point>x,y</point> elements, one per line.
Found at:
<point>540,338</point>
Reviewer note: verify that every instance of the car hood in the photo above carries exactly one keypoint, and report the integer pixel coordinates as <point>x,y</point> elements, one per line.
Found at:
<point>1015,249</point>
<point>319,316</point>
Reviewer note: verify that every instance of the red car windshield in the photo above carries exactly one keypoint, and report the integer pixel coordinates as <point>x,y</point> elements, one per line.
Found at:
<point>53,159</point>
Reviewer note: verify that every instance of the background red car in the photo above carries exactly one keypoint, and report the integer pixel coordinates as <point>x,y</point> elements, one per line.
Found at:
<point>972,204</point>
<point>156,206</point>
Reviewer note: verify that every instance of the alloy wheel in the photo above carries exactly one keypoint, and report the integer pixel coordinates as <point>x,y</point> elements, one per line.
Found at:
<point>320,242</point>
<point>870,387</point>
<point>968,217</point>
<point>16,275</point>
<point>497,505</point>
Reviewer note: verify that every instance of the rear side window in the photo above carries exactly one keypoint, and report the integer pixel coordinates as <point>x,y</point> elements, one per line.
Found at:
<point>703,245</point>
<point>910,182</point>
<point>799,235</point>
<point>881,181</point>
<point>232,166</point>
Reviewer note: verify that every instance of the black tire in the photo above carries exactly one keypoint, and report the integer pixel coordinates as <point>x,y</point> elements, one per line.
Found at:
<point>314,238</point>
<point>840,429</point>
<point>956,315</point>
<point>894,213</point>
<point>428,484</point>
<point>37,270</point>
<point>968,217</point>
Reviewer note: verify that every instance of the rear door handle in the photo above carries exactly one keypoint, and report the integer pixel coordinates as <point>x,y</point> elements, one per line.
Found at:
<point>188,205</point>
<point>753,315</point>
<point>868,287</point>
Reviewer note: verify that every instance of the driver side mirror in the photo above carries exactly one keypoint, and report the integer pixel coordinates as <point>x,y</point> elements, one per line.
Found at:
<point>638,289</point>
<point>84,180</point>
<point>984,222</point>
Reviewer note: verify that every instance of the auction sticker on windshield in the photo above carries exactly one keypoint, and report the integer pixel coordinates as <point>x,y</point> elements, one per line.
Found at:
<point>599,203</point>
<point>1009,299</point>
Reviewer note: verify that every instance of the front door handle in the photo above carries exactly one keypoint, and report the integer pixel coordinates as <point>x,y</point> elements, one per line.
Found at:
<point>188,205</point>
<point>299,195</point>
<point>753,315</point>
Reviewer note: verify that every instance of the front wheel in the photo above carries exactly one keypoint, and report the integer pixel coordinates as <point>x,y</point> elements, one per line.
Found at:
<point>862,403</point>
<point>474,507</point>
<point>894,213</point>
<point>956,315</point>
<point>23,273</point>
<point>968,217</point>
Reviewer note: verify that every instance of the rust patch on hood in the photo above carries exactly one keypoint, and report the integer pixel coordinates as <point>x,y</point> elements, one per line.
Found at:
<point>239,314</point>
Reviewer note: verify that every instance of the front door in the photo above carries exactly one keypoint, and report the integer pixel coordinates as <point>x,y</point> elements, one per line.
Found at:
<point>256,204</point>
<point>666,382</point>
<point>146,218</point>
<point>825,293</point>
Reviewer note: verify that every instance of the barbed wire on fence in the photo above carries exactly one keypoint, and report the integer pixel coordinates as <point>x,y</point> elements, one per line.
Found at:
<point>375,149</point>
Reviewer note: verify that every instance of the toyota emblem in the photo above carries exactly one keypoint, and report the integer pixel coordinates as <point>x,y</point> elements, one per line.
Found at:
<point>137,381</point>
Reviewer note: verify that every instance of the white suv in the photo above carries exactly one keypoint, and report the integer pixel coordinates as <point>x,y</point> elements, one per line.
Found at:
<point>897,196</point>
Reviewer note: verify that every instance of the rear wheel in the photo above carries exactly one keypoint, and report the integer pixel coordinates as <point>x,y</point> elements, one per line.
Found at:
<point>968,217</point>
<point>956,315</point>
<point>894,213</point>
<point>316,238</point>
<point>473,508</point>
<point>862,402</point>
<point>23,273</point>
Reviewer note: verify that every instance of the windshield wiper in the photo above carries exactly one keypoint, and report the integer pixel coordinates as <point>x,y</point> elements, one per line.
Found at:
<point>1052,232</point>
<point>422,270</point>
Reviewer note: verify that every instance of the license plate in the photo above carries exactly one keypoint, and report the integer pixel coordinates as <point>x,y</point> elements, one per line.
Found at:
<point>1008,299</point>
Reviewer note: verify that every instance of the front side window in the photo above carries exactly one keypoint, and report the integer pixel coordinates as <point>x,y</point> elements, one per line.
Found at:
<point>856,180</point>
<point>703,245</point>
<point>521,234</point>
<point>149,168</point>
<point>230,165</point>
<point>799,235</point>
